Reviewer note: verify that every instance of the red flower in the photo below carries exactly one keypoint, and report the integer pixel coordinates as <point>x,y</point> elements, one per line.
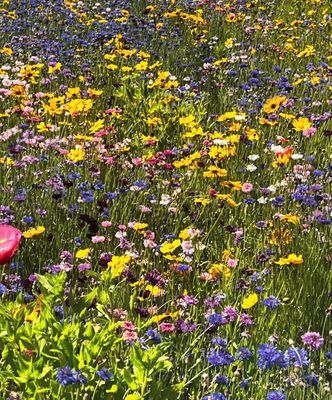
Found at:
<point>9,242</point>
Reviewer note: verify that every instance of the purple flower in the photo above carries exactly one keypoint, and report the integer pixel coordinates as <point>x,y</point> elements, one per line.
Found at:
<point>313,340</point>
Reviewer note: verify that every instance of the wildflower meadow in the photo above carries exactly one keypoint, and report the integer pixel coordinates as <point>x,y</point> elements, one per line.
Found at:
<point>165,200</point>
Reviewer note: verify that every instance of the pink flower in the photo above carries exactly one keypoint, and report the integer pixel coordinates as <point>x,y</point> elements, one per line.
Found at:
<point>9,241</point>
<point>106,224</point>
<point>98,239</point>
<point>247,187</point>
<point>128,325</point>
<point>167,327</point>
<point>232,263</point>
<point>313,340</point>
<point>130,336</point>
<point>309,132</point>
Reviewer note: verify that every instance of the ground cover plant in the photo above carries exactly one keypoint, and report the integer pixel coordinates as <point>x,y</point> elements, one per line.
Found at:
<point>165,199</point>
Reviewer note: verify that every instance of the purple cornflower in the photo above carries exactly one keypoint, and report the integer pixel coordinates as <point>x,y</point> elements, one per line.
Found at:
<point>230,313</point>
<point>313,340</point>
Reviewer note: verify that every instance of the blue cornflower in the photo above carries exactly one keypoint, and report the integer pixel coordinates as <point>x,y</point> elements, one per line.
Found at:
<point>3,289</point>
<point>270,356</point>
<point>244,384</point>
<point>153,336</point>
<point>104,374</point>
<point>276,395</point>
<point>219,342</point>
<point>217,319</point>
<point>74,175</point>
<point>222,380</point>
<point>141,184</point>
<point>220,357</point>
<point>271,302</point>
<point>215,396</point>
<point>67,376</point>
<point>311,379</point>
<point>278,201</point>
<point>27,220</point>
<point>298,357</point>
<point>87,196</point>
<point>244,353</point>
<point>111,195</point>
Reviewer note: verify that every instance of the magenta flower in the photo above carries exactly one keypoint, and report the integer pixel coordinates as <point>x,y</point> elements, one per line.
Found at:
<point>313,340</point>
<point>9,241</point>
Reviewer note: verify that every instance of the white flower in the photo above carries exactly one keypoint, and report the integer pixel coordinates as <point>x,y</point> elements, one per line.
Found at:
<point>253,157</point>
<point>296,156</point>
<point>251,167</point>
<point>262,200</point>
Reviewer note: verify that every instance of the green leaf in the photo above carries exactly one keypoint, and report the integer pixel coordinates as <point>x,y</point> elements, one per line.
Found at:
<point>129,379</point>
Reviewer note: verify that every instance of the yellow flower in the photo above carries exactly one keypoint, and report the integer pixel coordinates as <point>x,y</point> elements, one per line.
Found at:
<point>218,269</point>
<point>97,126</point>
<point>155,291</point>
<point>291,259</point>
<point>281,236</point>
<point>32,232</point>
<point>77,106</point>
<point>6,51</point>
<point>228,199</point>
<point>282,261</point>
<point>235,185</point>
<point>264,121</point>
<point>117,265</point>
<point>219,152</point>
<point>140,226</point>
<point>301,124</point>
<point>213,172</point>
<point>294,259</point>
<point>188,121</point>
<point>202,200</point>
<point>153,121</point>
<point>273,104</point>
<point>290,218</point>
<point>170,247</point>
<point>76,155</point>
<point>250,301</point>
<point>83,253</point>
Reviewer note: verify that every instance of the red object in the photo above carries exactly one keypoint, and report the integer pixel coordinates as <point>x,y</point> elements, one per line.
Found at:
<point>9,241</point>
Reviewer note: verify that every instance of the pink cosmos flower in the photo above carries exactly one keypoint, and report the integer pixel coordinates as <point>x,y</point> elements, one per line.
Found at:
<point>9,242</point>
<point>247,187</point>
